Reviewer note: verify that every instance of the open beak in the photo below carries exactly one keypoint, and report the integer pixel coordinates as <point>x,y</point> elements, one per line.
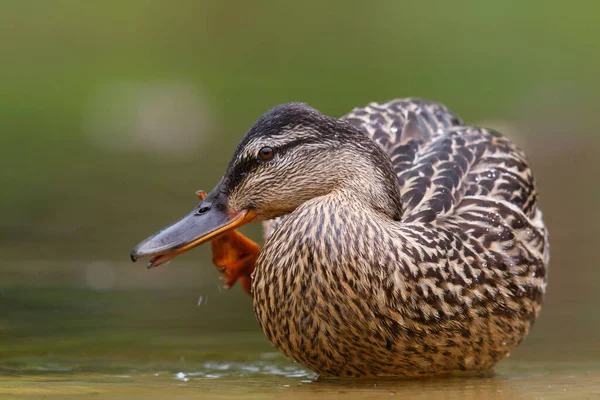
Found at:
<point>210,219</point>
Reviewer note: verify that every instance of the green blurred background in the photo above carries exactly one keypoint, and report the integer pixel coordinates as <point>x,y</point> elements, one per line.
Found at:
<point>112,113</point>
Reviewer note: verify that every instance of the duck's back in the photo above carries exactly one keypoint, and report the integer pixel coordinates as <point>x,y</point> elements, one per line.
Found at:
<point>446,170</point>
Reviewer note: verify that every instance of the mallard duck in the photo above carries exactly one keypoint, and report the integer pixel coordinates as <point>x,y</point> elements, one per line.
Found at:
<point>398,241</point>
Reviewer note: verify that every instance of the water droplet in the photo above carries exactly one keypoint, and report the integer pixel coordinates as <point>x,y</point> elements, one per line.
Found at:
<point>492,173</point>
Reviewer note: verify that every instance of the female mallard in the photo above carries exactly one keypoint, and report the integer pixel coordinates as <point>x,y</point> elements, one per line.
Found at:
<point>398,241</point>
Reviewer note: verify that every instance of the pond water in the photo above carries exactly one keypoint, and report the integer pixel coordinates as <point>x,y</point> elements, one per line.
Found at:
<point>510,382</point>
<point>62,341</point>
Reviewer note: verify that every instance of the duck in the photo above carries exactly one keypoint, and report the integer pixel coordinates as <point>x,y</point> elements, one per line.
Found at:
<point>399,242</point>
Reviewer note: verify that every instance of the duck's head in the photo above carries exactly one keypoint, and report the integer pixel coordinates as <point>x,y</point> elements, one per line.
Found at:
<point>292,154</point>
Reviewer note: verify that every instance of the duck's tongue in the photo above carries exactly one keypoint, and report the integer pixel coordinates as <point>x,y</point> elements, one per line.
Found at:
<point>160,260</point>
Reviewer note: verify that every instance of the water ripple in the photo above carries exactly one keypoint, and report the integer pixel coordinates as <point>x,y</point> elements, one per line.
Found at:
<point>216,370</point>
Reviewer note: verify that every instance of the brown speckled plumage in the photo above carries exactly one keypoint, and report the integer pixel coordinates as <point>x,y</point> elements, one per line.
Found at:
<point>440,268</point>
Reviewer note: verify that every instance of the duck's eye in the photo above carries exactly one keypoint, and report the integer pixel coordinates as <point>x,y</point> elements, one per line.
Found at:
<point>266,153</point>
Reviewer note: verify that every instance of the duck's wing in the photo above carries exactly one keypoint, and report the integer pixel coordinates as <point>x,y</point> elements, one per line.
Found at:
<point>480,182</point>
<point>402,127</point>
<point>470,208</point>
<point>465,162</point>
<point>439,161</point>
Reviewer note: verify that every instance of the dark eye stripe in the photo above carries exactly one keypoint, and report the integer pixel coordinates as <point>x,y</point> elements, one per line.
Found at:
<point>240,168</point>
<point>238,171</point>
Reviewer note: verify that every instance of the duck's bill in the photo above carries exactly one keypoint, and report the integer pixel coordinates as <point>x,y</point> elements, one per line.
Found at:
<point>206,222</point>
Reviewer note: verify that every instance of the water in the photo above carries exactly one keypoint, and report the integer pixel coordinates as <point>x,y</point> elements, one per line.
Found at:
<point>148,341</point>
<point>259,380</point>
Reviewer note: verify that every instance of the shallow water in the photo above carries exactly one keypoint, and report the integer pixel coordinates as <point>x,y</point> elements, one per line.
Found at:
<point>261,379</point>
<point>59,342</point>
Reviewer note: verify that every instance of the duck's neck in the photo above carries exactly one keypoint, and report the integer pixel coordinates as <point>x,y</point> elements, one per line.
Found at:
<point>319,238</point>
<point>373,192</point>
<point>370,181</point>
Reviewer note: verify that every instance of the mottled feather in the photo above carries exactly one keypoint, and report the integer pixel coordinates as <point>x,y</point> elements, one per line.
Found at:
<point>454,285</point>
